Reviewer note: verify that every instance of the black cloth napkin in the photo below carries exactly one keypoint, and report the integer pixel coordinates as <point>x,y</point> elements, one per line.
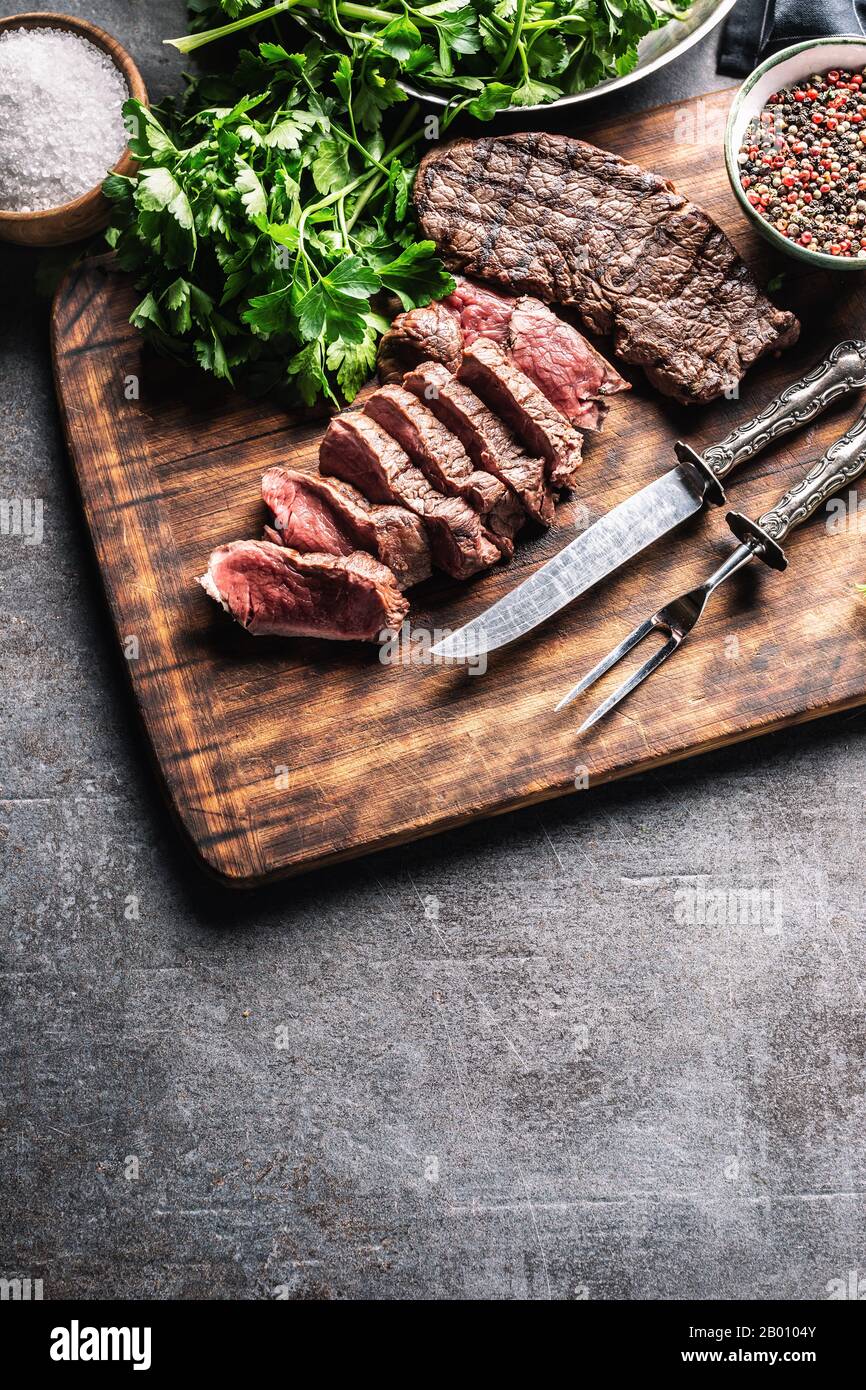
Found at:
<point>757,28</point>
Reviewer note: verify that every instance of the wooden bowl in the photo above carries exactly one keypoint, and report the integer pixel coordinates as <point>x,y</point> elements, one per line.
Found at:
<point>89,213</point>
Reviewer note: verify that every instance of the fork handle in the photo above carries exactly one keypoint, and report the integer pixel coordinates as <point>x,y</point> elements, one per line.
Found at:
<point>841,371</point>
<point>843,462</point>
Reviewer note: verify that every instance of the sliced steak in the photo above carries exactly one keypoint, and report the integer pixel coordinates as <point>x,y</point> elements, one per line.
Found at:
<point>416,336</point>
<point>443,460</point>
<point>503,387</point>
<point>327,515</point>
<point>548,350</point>
<point>573,376</point>
<point>488,442</point>
<point>437,452</point>
<point>505,520</point>
<point>482,313</point>
<point>357,450</point>
<point>272,590</point>
<point>552,216</point>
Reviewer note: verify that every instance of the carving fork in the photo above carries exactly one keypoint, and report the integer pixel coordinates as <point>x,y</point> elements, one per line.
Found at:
<point>843,462</point>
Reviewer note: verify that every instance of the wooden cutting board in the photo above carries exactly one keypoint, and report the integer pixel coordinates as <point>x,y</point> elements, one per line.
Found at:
<point>280,756</point>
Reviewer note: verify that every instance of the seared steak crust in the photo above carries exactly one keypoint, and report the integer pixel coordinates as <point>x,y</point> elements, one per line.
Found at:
<point>357,450</point>
<point>552,216</point>
<point>332,517</point>
<point>416,336</point>
<point>272,590</point>
<point>487,441</point>
<point>504,388</point>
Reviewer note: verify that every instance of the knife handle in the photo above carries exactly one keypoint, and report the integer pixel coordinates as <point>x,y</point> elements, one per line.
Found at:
<point>842,370</point>
<point>843,462</point>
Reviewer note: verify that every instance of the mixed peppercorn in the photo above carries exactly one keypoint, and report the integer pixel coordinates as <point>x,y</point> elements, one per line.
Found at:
<point>802,163</point>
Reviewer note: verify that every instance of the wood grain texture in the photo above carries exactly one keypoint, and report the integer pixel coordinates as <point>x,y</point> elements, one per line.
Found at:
<point>280,756</point>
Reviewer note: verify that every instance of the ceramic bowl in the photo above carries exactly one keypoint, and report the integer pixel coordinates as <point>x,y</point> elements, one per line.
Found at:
<point>791,65</point>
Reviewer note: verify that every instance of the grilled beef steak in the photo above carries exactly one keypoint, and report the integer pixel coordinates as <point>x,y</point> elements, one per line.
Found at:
<point>503,387</point>
<point>487,441</point>
<point>548,350</point>
<point>272,590</point>
<point>417,336</point>
<point>437,452</point>
<point>552,216</point>
<point>326,515</point>
<point>359,451</point>
<point>444,462</point>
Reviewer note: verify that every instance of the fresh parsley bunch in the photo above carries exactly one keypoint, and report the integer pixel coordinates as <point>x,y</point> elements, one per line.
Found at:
<point>481,54</point>
<point>270,216</point>
<point>269,220</point>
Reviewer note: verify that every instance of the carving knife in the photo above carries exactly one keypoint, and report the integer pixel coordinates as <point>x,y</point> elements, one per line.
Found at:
<point>654,511</point>
<point>843,462</point>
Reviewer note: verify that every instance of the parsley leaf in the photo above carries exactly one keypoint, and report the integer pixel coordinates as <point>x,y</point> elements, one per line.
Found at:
<point>332,303</point>
<point>354,363</point>
<point>417,276</point>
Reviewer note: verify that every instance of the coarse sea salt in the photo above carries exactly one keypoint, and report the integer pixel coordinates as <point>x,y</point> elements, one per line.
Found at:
<point>61,123</point>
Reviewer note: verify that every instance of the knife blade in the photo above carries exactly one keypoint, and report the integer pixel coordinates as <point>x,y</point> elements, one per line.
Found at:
<point>656,510</point>
<point>599,550</point>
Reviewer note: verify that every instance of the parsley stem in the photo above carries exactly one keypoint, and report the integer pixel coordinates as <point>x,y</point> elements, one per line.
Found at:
<point>331,198</point>
<point>397,146</point>
<point>508,57</point>
<point>334,16</point>
<point>356,144</point>
<point>524,61</point>
<point>189,42</point>
<point>370,176</point>
<point>352,11</point>
<point>341,218</point>
<point>397,142</point>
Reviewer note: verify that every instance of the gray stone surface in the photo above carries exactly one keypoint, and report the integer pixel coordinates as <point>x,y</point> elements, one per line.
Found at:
<point>508,1064</point>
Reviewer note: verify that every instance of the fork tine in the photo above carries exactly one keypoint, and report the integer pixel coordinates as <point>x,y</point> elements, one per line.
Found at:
<point>631,684</point>
<point>611,659</point>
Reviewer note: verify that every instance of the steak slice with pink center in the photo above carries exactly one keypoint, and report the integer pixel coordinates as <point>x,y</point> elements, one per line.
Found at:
<point>482,313</point>
<point>357,450</point>
<point>274,591</point>
<point>573,376</point>
<point>548,349</point>
<point>312,513</point>
<point>486,439</point>
<point>442,458</point>
<point>503,387</point>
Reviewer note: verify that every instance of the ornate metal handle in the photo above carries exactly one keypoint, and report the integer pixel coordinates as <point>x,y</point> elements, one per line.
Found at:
<point>843,462</point>
<point>843,370</point>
